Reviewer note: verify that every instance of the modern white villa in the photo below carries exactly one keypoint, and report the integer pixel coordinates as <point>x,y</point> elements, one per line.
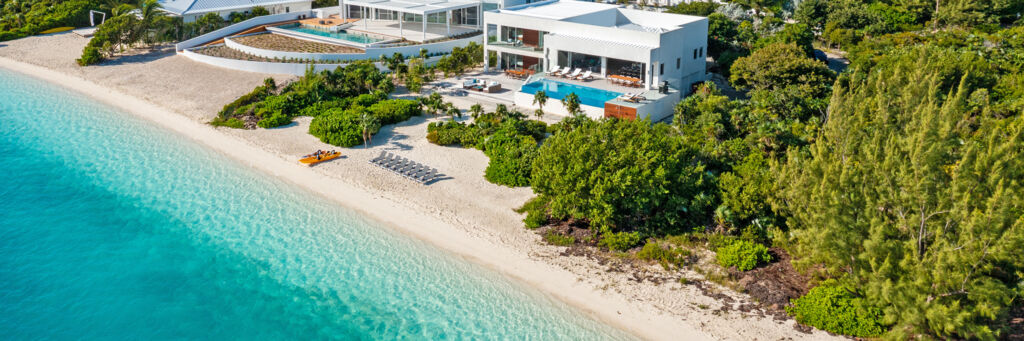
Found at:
<point>190,10</point>
<point>600,52</point>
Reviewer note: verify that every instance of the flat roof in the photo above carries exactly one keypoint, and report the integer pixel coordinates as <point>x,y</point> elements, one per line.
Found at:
<point>421,7</point>
<point>182,7</point>
<point>558,10</point>
<point>617,17</point>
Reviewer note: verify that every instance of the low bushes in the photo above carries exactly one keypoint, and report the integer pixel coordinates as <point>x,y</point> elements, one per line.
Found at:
<point>344,127</point>
<point>666,256</point>
<point>742,254</point>
<point>395,110</point>
<point>338,127</point>
<point>511,157</point>
<point>834,308</point>
<point>555,238</point>
<point>620,241</point>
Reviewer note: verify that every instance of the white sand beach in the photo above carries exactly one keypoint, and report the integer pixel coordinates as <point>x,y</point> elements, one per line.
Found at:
<point>463,213</point>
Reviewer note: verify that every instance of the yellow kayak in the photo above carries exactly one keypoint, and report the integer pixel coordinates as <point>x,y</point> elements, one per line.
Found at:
<point>312,160</point>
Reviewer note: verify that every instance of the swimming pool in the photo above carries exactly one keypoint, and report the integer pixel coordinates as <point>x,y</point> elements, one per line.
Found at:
<point>360,38</point>
<point>557,90</point>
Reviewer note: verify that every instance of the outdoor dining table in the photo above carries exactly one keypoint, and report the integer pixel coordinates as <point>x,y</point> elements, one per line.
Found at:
<point>630,80</point>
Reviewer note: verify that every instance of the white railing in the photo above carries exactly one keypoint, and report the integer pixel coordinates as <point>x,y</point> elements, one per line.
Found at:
<point>239,27</point>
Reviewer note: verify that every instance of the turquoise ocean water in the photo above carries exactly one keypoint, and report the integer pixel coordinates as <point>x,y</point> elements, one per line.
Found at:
<point>112,228</point>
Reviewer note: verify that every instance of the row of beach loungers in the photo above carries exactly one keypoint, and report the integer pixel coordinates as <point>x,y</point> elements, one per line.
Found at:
<point>405,167</point>
<point>576,74</point>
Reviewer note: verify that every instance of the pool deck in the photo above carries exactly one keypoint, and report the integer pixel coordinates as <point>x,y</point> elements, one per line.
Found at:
<point>656,105</point>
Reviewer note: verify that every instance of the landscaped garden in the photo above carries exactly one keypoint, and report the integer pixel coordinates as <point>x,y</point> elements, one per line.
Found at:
<point>279,42</point>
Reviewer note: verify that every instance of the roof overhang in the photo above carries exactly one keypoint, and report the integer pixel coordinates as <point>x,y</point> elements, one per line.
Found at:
<point>421,7</point>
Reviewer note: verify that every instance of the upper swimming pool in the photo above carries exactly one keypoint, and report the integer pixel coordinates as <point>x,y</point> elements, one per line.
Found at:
<point>557,90</point>
<point>360,38</point>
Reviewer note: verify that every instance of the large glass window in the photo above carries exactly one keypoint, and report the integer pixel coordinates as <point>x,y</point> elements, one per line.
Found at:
<point>626,68</point>
<point>465,16</point>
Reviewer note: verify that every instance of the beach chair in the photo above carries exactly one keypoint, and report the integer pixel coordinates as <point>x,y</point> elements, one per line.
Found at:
<point>563,71</point>
<point>384,160</point>
<point>574,73</point>
<point>555,71</point>
<point>378,157</point>
<point>419,173</point>
<point>585,76</point>
<point>427,176</point>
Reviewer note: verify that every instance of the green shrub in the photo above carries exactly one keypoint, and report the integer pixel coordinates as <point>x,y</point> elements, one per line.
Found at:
<point>536,213</point>
<point>321,107</point>
<point>511,158</point>
<point>275,120</point>
<point>90,55</point>
<point>555,238</point>
<point>395,110</point>
<point>451,132</point>
<point>229,122</point>
<point>834,308</point>
<point>366,100</point>
<point>256,95</point>
<point>619,241</point>
<point>338,127</point>
<point>743,254</point>
<point>666,256</point>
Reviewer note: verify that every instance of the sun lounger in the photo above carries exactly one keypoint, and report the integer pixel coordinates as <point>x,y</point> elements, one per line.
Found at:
<point>563,71</point>
<point>379,157</point>
<point>585,76</point>
<point>574,73</point>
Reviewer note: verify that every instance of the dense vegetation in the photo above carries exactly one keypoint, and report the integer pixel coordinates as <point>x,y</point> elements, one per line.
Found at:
<point>895,185</point>
<point>22,18</point>
<point>348,104</point>
<point>130,25</point>
<point>507,138</point>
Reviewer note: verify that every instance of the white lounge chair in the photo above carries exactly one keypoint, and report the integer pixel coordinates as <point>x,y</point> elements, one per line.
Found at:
<point>585,76</point>
<point>555,71</point>
<point>573,74</point>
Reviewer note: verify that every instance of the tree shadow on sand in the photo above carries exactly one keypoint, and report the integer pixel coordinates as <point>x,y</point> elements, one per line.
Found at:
<point>142,56</point>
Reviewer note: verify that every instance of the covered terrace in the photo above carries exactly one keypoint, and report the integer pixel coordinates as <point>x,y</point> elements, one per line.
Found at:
<point>427,19</point>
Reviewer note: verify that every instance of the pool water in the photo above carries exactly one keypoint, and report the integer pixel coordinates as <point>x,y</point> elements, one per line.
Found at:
<point>557,90</point>
<point>340,35</point>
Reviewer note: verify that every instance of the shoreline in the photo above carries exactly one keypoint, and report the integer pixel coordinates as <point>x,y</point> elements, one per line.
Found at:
<point>558,283</point>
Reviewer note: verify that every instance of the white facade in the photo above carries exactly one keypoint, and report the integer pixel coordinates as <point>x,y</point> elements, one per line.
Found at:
<point>604,38</point>
<point>191,10</point>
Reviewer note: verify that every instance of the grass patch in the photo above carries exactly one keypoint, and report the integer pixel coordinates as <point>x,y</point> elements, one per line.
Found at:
<point>555,238</point>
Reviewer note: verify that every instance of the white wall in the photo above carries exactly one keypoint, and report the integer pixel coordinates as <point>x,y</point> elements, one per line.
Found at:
<point>298,6</point>
<point>680,44</point>
<point>239,27</point>
<point>371,53</point>
<point>262,67</point>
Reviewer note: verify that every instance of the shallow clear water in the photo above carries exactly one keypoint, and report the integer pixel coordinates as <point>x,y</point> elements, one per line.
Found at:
<point>558,90</point>
<point>340,35</point>
<point>111,228</point>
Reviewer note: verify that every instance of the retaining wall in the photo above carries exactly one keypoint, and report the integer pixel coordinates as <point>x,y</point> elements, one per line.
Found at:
<point>371,53</point>
<point>298,69</point>
<point>239,27</point>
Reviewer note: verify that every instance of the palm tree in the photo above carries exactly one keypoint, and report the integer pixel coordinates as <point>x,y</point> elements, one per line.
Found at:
<point>452,111</point>
<point>476,110</point>
<point>572,103</point>
<point>370,124</point>
<point>423,54</point>
<point>540,98</point>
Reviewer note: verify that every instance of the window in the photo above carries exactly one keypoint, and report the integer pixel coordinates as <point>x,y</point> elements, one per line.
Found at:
<point>694,53</point>
<point>702,52</point>
<point>287,10</point>
<point>661,69</point>
<point>678,61</point>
